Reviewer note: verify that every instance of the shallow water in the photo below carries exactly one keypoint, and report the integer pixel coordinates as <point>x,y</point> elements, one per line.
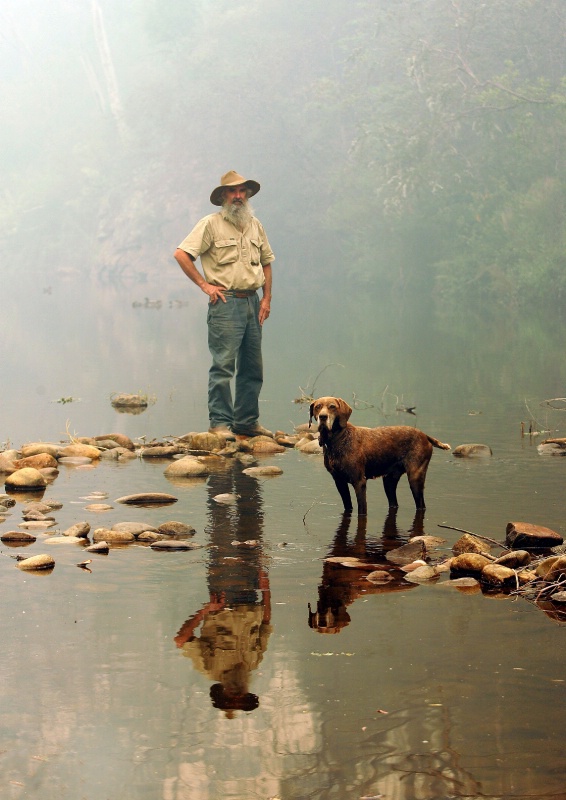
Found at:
<point>110,677</point>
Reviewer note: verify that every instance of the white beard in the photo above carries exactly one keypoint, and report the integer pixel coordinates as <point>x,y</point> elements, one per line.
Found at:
<point>240,216</point>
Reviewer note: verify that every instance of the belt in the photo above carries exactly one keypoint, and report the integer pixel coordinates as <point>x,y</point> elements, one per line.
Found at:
<point>240,292</point>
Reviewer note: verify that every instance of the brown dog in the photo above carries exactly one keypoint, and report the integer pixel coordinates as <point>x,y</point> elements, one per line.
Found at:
<point>353,454</point>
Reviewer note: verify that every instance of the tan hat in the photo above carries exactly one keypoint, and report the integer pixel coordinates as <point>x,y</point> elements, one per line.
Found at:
<point>232,179</point>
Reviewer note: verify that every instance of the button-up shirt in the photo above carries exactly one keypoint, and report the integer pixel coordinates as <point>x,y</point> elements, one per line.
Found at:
<point>230,258</point>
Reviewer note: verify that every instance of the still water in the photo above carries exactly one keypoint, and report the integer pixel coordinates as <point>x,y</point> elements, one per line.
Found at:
<point>111,679</point>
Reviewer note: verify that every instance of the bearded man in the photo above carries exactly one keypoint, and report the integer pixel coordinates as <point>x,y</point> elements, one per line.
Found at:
<point>236,260</point>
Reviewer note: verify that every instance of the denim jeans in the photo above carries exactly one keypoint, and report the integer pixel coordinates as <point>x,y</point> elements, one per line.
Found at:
<point>234,341</point>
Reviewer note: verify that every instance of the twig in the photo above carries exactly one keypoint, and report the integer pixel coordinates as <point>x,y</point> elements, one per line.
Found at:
<point>477,535</point>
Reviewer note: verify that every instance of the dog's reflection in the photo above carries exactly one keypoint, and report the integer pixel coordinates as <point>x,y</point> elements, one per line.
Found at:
<point>341,585</point>
<point>235,622</point>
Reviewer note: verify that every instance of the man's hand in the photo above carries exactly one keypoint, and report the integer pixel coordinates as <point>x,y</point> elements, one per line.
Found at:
<point>214,292</point>
<point>264,309</point>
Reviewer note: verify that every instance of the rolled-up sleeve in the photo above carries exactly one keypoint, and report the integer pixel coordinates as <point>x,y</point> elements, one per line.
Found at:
<point>266,253</point>
<point>199,239</point>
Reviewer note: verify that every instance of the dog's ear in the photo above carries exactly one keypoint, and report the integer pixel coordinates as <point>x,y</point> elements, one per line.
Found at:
<point>344,411</point>
<point>311,413</point>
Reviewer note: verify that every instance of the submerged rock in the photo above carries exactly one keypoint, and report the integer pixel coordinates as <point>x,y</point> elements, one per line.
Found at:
<point>407,553</point>
<point>79,450</point>
<point>472,450</point>
<point>266,471</point>
<point>174,545</point>
<point>147,499</point>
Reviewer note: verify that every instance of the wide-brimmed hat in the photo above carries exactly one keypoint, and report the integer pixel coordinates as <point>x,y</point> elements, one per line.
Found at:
<point>232,178</point>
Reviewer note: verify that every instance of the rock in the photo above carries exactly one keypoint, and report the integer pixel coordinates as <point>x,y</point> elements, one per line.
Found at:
<point>429,541</point>
<point>150,536</point>
<point>161,451</point>
<point>226,499</point>
<point>99,547</point>
<point>286,441</point>
<point>527,536</point>
<point>105,444</point>
<point>526,576</point>
<point>173,528</point>
<point>64,540</point>
<point>40,461</point>
<point>261,444</point>
<point>80,450</point>
<point>37,524</point>
<point>472,450</point>
<point>36,507</point>
<point>551,568</point>
<point>515,559</point>
<point>551,449</point>
<point>54,505</point>
<point>264,472</point>
<point>6,501</point>
<point>309,446</point>
<point>7,465</point>
<point>470,544</point>
<point>147,499</point>
<point>463,583</point>
<point>75,461</point>
<point>407,553</point>
<point>34,448</point>
<point>37,516</point>
<point>187,467</point>
<point>173,545</point>
<point>498,576</point>
<point>18,536</point>
<point>207,441</point>
<point>117,454</point>
<point>421,574</point>
<point>250,543</point>
<point>98,507</point>
<point>558,597</point>
<point>468,563</point>
<point>120,438</point>
<point>136,528</point>
<point>112,537</point>
<point>26,478</point>
<point>414,565</point>
<point>49,473</point>
<point>80,530</point>
<point>42,561</point>
<point>124,400</point>
<point>379,576</point>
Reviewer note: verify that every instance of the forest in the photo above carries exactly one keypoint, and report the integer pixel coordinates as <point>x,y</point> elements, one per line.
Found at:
<point>414,144</point>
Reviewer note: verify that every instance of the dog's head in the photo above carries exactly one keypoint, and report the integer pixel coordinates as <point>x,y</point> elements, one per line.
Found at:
<point>330,413</point>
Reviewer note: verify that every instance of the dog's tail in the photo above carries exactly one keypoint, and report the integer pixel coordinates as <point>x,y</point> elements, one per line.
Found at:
<point>435,443</point>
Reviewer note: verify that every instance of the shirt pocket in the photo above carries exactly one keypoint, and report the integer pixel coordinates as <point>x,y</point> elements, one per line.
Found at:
<point>255,249</point>
<point>226,251</point>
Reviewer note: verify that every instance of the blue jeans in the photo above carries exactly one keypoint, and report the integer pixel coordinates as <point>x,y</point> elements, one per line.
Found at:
<point>234,341</point>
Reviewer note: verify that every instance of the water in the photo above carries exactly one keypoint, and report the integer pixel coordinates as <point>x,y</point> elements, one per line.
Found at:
<point>110,678</point>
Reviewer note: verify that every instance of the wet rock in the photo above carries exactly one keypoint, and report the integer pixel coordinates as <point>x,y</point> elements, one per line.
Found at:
<point>37,525</point>
<point>20,537</point>
<point>161,451</point>
<point>515,559</point>
<point>422,574</point>
<point>113,537</point>
<point>263,472</point>
<point>207,441</point>
<point>36,516</point>
<point>463,583</point>
<point>98,508</point>
<point>286,441</point>
<point>150,536</point>
<point>79,450</point>
<point>470,544</point>
<point>136,528</point>
<point>407,553</point>
<point>7,465</point>
<point>472,450</point>
<point>226,499</point>
<point>76,461</point>
<point>120,438</point>
<point>558,597</point>
<point>551,568</point>
<point>379,576</point>
<point>34,448</point>
<point>79,530</point>
<point>40,461</point>
<point>551,449</point>
<point>124,400</point>
<point>414,565</point>
<point>36,506</point>
<point>174,545</point>
<point>100,547</point>
<point>174,528</point>
<point>49,473</point>
<point>147,499</point>
<point>187,467</point>
<point>64,540</point>
<point>468,564</point>
<point>527,536</point>
<point>6,501</point>
<point>26,478</point>
<point>53,504</point>
<point>266,445</point>
<point>309,446</point>
<point>249,543</point>
<point>498,576</point>
<point>42,561</point>
<point>105,444</point>
<point>429,541</point>
<point>245,458</point>
<point>526,576</point>
<point>117,454</point>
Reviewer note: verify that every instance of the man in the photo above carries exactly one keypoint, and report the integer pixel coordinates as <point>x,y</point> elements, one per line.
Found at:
<point>236,260</point>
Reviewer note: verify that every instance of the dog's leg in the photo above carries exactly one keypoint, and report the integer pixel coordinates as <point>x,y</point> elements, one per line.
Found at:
<point>390,482</point>
<point>417,482</point>
<point>344,491</point>
<point>360,489</point>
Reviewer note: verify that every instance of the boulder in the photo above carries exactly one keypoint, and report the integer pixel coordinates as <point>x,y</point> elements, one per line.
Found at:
<point>124,400</point>
<point>515,560</point>
<point>80,530</point>
<point>42,561</point>
<point>120,438</point>
<point>34,448</point>
<point>26,478</point>
<point>472,451</point>
<point>498,576</point>
<point>207,441</point>
<point>527,536</point>
<point>147,499</point>
<point>112,537</point>
<point>174,528</point>
<point>551,568</point>
<point>407,553</point>
<point>470,544</point>
<point>80,450</point>
<point>7,465</point>
<point>263,472</point>
<point>187,467</point>
<point>468,564</point>
<point>136,528</point>
<point>21,537</point>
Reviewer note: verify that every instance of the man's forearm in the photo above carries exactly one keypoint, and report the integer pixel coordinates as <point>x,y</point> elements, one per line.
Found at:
<point>268,281</point>
<point>188,266</point>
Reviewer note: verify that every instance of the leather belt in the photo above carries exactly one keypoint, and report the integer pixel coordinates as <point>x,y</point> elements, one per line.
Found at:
<point>240,293</point>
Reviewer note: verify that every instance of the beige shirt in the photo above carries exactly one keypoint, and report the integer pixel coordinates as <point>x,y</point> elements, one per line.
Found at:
<point>230,258</point>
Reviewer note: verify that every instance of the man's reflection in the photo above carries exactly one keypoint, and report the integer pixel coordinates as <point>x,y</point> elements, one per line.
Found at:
<point>340,585</point>
<point>235,622</point>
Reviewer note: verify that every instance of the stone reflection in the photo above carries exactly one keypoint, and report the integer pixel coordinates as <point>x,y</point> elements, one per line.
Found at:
<point>341,585</point>
<point>227,637</point>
